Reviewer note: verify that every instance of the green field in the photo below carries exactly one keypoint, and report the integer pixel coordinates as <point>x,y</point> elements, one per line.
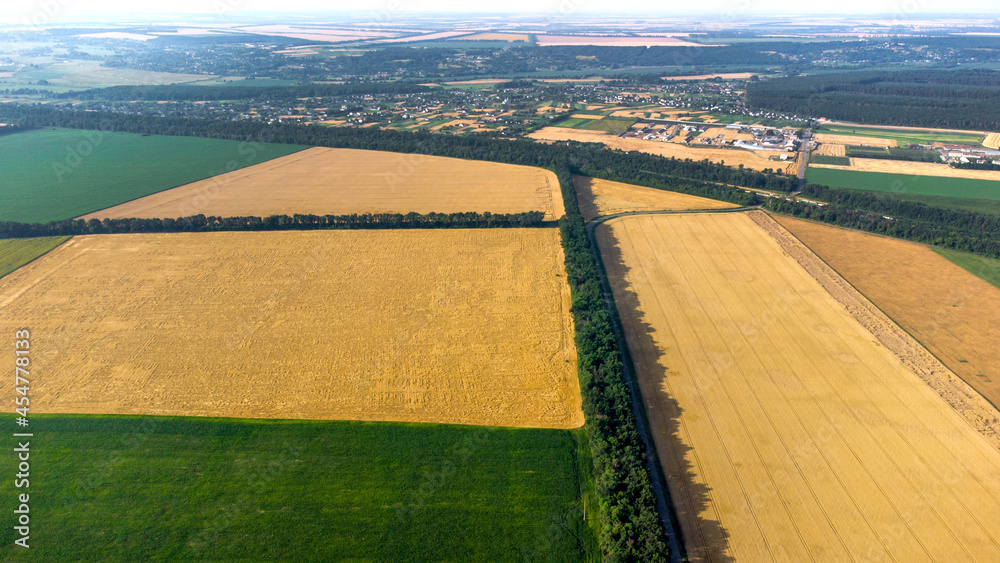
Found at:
<point>903,137</point>
<point>55,174</point>
<point>904,184</point>
<point>986,268</point>
<point>132,488</point>
<point>828,159</point>
<point>17,252</point>
<point>611,125</point>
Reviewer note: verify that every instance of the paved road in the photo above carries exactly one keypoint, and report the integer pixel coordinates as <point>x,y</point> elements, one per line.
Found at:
<point>803,157</point>
<point>658,489</point>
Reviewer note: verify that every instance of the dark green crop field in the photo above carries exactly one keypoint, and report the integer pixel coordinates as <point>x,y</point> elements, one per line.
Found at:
<point>15,253</point>
<point>904,184</point>
<point>55,174</point>
<point>144,488</point>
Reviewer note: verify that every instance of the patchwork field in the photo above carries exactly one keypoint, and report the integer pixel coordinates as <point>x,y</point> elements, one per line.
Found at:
<point>603,197</point>
<point>940,170</point>
<point>786,431</point>
<point>342,181</point>
<point>732,157</point>
<point>903,184</point>
<point>831,149</point>
<point>832,138</point>
<point>15,253</point>
<point>952,312</point>
<point>57,174</point>
<point>169,488</point>
<point>356,325</point>
<point>902,136</point>
<point>616,41</point>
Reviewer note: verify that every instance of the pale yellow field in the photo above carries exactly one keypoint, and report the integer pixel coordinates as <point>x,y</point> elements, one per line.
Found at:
<point>495,37</point>
<point>599,197</point>
<point>549,40</point>
<point>831,149</point>
<point>940,170</point>
<point>785,430</point>
<point>732,157</point>
<point>587,116</point>
<point>992,141</point>
<point>325,181</point>
<point>450,326</point>
<point>853,140</point>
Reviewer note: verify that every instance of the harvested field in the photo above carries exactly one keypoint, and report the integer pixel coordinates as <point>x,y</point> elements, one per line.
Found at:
<point>785,429</point>
<point>350,325</point>
<point>599,197</point>
<point>341,181</point>
<point>732,157</point>
<point>853,140</point>
<point>616,41</point>
<point>955,314</point>
<point>992,141</point>
<point>586,116</point>
<point>831,149</point>
<point>496,37</point>
<point>912,168</point>
<point>725,75</point>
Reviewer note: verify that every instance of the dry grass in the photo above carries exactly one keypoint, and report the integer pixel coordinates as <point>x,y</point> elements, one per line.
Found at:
<point>992,141</point>
<point>955,314</point>
<point>786,432</point>
<point>599,197</point>
<point>940,170</point>
<point>732,157</point>
<point>831,149</point>
<point>341,181</point>
<point>449,326</point>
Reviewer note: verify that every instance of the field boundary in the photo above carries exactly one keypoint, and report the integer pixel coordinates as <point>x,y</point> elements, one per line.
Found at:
<point>974,408</point>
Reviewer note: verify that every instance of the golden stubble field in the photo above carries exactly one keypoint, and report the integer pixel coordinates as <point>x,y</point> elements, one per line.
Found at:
<point>992,141</point>
<point>325,181</point>
<point>831,149</point>
<point>940,170</point>
<point>731,157</point>
<point>785,430</point>
<point>449,326</point>
<point>603,197</point>
<point>955,314</point>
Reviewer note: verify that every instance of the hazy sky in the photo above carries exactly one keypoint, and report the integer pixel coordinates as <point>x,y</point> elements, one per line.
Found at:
<point>62,9</point>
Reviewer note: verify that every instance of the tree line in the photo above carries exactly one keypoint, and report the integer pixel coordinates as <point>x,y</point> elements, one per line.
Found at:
<point>201,223</point>
<point>185,92</point>
<point>630,526</point>
<point>959,99</point>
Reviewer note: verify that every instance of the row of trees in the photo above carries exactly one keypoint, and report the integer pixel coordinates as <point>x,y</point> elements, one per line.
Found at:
<point>962,99</point>
<point>201,223</point>
<point>630,526</point>
<point>184,92</point>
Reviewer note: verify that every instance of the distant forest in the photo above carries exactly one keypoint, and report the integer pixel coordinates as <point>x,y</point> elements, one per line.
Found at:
<point>958,99</point>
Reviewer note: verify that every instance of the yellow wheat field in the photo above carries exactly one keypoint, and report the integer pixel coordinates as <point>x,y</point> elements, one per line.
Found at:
<point>992,141</point>
<point>449,326</point>
<point>325,181</point>
<point>853,140</point>
<point>731,157</point>
<point>786,432</point>
<point>832,149</point>
<point>599,197</point>
<point>940,170</point>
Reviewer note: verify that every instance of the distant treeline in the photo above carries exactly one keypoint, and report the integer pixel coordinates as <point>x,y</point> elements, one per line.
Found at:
<point>882,213</point>
<point>959,99</point>
<point>631,529</point>
<point>592,159</point>
<point>201,223</point>
<point>186,92</point>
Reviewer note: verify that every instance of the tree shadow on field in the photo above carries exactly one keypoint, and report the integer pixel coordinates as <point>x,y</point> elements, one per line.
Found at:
<point>702,538</point>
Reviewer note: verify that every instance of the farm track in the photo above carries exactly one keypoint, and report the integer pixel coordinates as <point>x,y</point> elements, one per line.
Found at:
<point>956,392</point>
